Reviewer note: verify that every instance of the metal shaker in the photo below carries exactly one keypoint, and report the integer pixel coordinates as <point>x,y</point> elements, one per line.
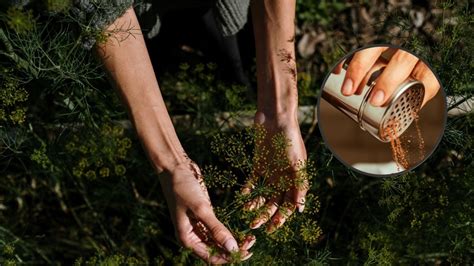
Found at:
<point>398,113</point>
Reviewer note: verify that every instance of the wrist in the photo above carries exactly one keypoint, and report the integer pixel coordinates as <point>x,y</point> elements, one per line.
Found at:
<point>168,163</point>
<point>277,94</point>
<point>160,141</point>
<point>277,111</point>
<point>277,119</point>
<point>278,103</point>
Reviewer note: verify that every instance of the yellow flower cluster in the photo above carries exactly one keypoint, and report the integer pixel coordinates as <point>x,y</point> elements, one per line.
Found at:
<point>253,153</point>
<point>19,20</point>
<point>311,232</point>
<point>102,154</point>
<point>12,98</point>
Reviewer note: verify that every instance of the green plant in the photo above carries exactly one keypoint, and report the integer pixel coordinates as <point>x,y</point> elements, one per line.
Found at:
<point>75,186</point>
<point>197,91</point>
<point>301,233</point>
<point>12,102</point>
<point>321,12</point>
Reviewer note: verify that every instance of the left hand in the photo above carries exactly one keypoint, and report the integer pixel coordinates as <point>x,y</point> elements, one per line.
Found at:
<point>196,225</point>
<point>279,206</point>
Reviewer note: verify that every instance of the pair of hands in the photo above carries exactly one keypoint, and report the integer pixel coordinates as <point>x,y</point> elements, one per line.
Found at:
<point>400,66</point>
<point>195,223</point>
<point>128,63</point>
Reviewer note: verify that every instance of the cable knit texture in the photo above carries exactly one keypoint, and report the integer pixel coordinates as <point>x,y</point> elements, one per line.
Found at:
<point>97,14</point>
<point>231,15</point>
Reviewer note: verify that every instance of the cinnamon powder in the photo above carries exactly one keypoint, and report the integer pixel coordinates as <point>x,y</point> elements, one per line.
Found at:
<point>401,146</point>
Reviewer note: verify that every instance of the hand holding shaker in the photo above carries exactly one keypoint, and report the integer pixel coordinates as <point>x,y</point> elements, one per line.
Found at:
<point>384,122</point>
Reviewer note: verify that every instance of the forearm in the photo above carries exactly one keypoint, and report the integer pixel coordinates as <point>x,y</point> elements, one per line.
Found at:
<point>276,65</point>
<point>126,59</point>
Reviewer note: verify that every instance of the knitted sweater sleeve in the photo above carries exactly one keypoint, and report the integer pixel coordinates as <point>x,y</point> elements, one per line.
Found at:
<point>95,15</point>
<point>231,15</point>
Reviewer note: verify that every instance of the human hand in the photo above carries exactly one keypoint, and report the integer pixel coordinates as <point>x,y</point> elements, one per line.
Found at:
<point>196,225</point>
<point>399,67</point>
<point>280,205</point>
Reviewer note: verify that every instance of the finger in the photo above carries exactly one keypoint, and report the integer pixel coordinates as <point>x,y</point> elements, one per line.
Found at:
<point>424,74</point>
<point>398,69</point>
<point>359,65</point>
<point>298,193</point>
<point>300,200</point>
<point>191,236</point>
<point>246,190</point>
<point>267,212</point>
<point>202,250</point>
<point>249,184</point>
<point>338,68</point>
<point>255,203</point>
<point>372,75</point>
<point>248,242</point>
<point>218,255</point>
<point>221,235</point>
<point>284,211</point>
<point>247,256</point>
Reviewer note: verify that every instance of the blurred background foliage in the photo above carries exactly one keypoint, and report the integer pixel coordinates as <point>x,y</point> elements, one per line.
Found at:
<point>75,186</point>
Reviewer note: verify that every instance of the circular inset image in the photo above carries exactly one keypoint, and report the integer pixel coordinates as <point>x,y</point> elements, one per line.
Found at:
<point>382,110</point>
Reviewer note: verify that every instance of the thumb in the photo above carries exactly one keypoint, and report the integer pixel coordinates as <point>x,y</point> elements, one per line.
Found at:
<point>221,235</point>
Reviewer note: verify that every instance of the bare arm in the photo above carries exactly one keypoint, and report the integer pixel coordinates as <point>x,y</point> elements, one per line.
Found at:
<point>277,106</point>
<point>276,65</point>
<point>127,61</point>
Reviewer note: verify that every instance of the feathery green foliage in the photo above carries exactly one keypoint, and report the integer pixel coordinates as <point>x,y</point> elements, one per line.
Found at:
<point>76,188</point>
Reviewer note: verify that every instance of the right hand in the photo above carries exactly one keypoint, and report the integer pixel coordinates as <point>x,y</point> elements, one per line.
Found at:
<point>196,225</point>
<point>280,206</point>
<point>400,66</point>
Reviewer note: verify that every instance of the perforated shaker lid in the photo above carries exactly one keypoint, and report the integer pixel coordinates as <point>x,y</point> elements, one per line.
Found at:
<point>402,109</point>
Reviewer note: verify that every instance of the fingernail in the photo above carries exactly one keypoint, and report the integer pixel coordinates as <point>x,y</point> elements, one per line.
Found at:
<point>252,242</point>
<point>271,228</point>
<point>231,245</point>
<point>347,87</point>
<point>248,243</point>
<point>255,225</point>
<point>252,206</point>
<point>246,257</point>
<point>377,98</point>
<point>300,208</point>
<point>248,206</point>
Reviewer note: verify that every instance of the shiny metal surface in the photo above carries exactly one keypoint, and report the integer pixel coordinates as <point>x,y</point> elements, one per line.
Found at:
<point>400,109</point>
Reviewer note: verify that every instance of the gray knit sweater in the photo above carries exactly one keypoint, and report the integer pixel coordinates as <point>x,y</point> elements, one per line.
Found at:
<point>231,15</point>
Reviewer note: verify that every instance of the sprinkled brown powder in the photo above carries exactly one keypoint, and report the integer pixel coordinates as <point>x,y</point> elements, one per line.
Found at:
<point>421,141</point>
<point>400,146</point>
<point>399,154</point>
